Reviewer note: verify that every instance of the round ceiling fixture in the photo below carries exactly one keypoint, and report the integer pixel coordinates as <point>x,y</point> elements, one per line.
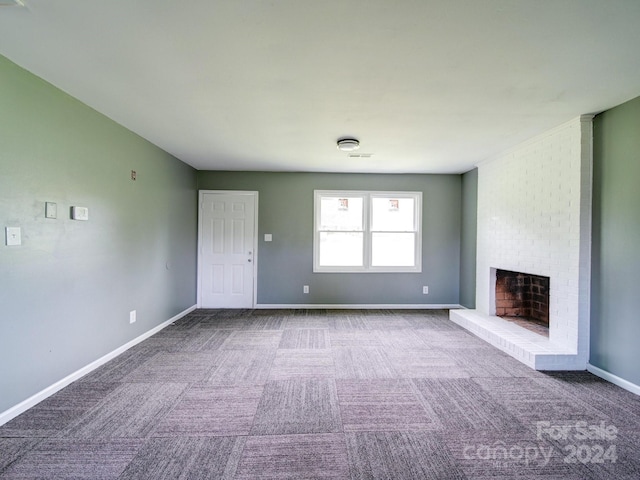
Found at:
<point>348,144</point>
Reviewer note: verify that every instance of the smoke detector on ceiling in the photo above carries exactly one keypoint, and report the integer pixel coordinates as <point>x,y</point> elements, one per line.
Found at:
<point>348,144</point>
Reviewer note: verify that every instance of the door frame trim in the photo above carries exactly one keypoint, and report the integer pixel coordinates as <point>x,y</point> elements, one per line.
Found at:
<point>255,196</point>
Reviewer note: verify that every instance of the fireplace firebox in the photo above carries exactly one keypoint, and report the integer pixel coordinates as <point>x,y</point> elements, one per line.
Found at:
<point>524,299</point>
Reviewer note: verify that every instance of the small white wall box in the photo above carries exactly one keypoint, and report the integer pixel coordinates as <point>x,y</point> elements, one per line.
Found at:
<point>79,213</point>
<point>51,210</point>
<point>13,236</point>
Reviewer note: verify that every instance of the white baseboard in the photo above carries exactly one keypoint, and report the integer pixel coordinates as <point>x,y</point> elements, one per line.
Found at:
<point>363,306</point>
<point>616,380</point>
<point>60,384</point>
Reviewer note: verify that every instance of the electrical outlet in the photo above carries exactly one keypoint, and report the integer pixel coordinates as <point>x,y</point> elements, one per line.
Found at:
<point>425,290</point>
<point>132,316</point>
<point>13,236</point>
<point>305,289</point>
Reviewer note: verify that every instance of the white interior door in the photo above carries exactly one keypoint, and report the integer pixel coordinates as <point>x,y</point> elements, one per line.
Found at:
<point>227,249</point>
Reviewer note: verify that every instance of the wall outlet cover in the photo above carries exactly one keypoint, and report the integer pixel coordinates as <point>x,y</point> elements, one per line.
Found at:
<point>13,236</point>
<point>51,210</point>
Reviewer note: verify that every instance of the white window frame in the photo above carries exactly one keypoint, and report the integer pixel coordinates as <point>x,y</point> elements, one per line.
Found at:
<point>367,197</point>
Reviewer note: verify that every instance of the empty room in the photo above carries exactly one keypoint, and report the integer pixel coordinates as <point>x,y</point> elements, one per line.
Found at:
<point>286,239</point>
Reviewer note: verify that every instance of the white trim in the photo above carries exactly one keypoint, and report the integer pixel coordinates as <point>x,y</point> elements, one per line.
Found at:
<point>256,198</point>
<point>359,306</point>
<point>616,380</point>
<point>586,234</point>
<point>60,384</point>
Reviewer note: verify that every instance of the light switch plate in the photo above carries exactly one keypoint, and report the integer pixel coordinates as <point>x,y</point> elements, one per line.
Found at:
<point>79,213</point>
<point>268,237</point>
<point>13,236</point>
<point>51,210</point>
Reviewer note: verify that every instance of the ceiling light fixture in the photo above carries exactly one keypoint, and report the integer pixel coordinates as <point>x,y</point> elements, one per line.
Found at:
<point>348,144</point>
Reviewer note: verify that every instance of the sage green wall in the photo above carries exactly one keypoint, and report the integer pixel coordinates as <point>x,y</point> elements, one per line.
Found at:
<point>66,293</point>
<point>615,323</point>
<point>469,239</point>
<point>286,264</point>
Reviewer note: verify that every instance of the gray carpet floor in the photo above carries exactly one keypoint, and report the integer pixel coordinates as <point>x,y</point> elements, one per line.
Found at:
<point>307,394</point>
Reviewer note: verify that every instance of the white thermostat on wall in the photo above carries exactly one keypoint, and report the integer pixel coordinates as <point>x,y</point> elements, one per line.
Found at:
<point>79,213</point>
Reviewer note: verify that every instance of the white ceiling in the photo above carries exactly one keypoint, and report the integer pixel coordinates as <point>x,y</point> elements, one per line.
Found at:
<point>430,86</point>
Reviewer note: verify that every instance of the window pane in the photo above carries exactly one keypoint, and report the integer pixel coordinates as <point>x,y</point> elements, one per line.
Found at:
<point>393,214</point>
<point>393,249</point>
<point>341,249</point>
<point>341,213</point>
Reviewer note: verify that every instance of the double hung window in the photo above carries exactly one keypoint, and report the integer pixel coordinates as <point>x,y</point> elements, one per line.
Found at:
<point>359,231</point>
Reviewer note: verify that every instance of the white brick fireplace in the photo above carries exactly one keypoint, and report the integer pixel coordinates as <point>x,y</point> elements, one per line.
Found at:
<point>534,216</point>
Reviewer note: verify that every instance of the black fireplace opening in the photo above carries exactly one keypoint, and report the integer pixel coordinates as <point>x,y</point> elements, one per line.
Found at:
<point>523,298</point>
